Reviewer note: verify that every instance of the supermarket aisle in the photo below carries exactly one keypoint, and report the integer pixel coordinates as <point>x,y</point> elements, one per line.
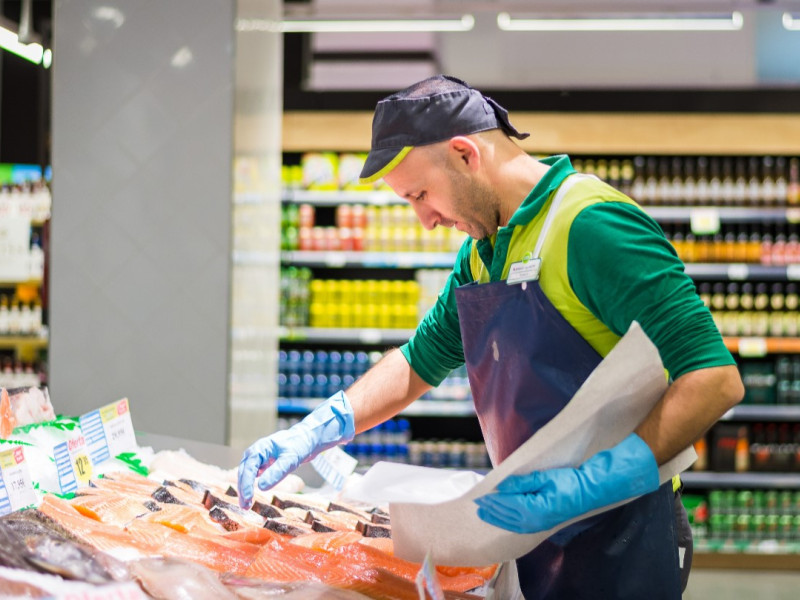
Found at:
<point>711,584</point>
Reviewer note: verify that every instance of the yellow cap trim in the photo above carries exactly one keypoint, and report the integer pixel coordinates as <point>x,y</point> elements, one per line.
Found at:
<point>385,170</point>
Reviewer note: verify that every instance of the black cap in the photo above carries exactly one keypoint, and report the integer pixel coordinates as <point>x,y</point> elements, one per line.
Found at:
<point>414,117</point>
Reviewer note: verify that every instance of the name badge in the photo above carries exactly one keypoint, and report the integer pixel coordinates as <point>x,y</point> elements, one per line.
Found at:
<point>525,270</point>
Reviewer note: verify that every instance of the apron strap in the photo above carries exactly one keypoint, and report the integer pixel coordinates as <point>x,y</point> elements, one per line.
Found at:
<point>565,186</point>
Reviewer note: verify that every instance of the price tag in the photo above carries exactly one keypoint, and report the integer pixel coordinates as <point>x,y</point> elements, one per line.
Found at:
<point>335,466</point>
<point>793,272</point>
<point>406,260</point>
<point>16,489</point>
<point>109,431</point>
<point>427,581</point>
<point>370,336</point>
<point>793,215</point>
<point>704,221</point>
<point>335,259</point>
<point>73,464</point>
<point>752,347</point>
<point>738,271</point>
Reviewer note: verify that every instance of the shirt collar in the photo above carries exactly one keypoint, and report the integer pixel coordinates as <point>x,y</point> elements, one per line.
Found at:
<point>560,167</point>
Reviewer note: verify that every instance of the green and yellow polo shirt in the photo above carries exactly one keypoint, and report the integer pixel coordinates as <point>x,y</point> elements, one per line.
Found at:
<point>605,263</point>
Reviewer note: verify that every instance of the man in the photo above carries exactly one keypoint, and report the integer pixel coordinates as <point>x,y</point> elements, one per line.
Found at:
<point>556,268</point>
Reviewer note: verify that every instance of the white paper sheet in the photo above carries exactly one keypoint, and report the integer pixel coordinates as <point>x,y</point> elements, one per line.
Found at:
<point>611,403</point>
<point>388,482</point>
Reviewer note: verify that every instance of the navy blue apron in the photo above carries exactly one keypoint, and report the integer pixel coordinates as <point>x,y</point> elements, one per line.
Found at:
<point>525,362</point>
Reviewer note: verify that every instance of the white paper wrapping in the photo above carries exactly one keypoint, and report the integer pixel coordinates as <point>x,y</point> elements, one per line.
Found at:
<point>611,403</point>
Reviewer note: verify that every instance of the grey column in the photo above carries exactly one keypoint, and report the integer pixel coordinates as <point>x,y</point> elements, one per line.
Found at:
<point>141,229</point>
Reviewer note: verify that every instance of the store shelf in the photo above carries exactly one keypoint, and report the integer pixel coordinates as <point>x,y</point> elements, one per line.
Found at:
<point>746,560</point>
<point>789,481</point>
<point>29,282</point>
<point>742,271</point>
<point>580,132</point>
<point>344,259</point>
<point>337,197</point>
<point>419,408</point>
<point>249,258</point>
<point>335,335</point>
<point>20,341</point>
<point>759,412</point>
<point>725,214</point>
<point>252,198</point>
<point>756,347</point>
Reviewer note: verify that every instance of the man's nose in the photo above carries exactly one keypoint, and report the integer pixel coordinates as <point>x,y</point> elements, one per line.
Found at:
<point>428,217</point>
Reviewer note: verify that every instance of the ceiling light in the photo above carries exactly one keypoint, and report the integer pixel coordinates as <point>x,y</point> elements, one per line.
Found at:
<point>10,41</point>
<point>465,23</point>
<point>790,22</point>
<point>732,22</point>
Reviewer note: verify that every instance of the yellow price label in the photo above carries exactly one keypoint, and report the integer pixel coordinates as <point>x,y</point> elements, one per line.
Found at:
<point>7,459</point>
<point>82,467</point>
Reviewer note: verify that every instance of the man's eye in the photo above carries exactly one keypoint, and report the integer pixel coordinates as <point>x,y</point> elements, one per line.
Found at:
<point>421,197</point>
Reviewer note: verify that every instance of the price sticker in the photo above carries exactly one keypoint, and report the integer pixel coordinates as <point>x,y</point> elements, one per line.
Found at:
<point>752,347</point>
<point>738,272</point>
<point>704,221</point>
<point>370,336</point>
<point>109,431</point>
<point>793,215</point>
<point>16,489</point>
<point>793,272</point>
<point>73,464</point>
<point>335,466</point>
<point>427,581</point>
<point>335,259</point>
<point>406,260</point>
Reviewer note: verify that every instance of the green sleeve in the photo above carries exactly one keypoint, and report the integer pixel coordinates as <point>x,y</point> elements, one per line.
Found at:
<point>623,269</point>
<point>435,349</point>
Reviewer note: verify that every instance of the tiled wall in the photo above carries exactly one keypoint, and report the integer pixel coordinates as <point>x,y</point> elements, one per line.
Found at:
<point>141,232</point>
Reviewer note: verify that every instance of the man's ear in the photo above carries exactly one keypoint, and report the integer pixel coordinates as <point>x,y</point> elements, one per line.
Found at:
<point>465,152</point>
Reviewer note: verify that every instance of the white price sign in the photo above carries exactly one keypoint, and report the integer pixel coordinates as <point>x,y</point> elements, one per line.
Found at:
<point>427,580</point>
<point>335,466</point>
<point>109,431</point>
<point>16,489</point>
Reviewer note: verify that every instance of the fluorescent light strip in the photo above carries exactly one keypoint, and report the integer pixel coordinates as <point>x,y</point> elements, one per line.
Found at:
<point>465,23</point>
<point>790,22</point>
<point>10,41</point>
<point>732,23</point>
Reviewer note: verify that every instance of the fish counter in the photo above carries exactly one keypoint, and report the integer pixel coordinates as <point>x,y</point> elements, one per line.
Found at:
<point>161,520</point>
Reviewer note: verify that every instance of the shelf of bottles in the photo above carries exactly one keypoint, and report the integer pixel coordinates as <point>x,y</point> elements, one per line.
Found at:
<point>25,204</point>
<point>395,441</point>
<point>308,376</point>
<point>745,516</point>
<point>733,221</point>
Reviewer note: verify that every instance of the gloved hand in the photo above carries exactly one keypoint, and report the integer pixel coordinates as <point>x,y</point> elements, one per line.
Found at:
<point>273,457</point>
<point>543,499</point>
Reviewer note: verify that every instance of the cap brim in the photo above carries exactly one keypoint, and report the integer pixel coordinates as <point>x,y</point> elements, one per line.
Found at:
<point>380,162</point>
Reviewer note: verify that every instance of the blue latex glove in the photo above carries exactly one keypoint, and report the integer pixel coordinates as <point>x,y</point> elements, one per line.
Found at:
<point>275,456</point>
<point>543,499</point>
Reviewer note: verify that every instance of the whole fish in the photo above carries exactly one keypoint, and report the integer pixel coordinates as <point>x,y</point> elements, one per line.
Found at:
<point>32,541</point>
